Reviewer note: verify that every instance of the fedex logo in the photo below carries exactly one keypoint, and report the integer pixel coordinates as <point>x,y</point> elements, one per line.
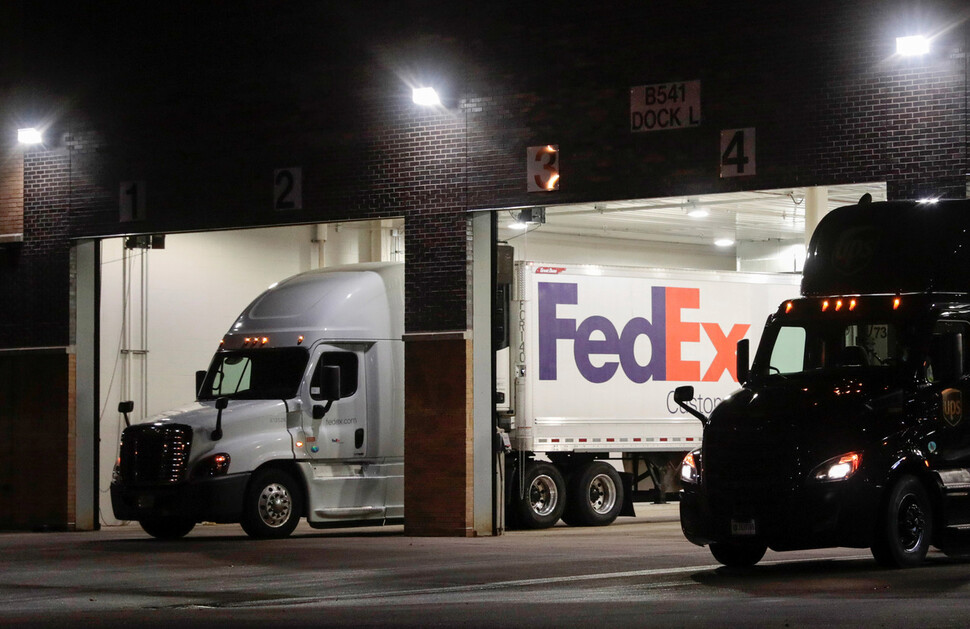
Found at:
<point>665,329</point>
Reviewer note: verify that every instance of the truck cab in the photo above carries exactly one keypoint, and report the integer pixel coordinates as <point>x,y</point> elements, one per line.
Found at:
<point>849,428</point>
<point>300,414</point>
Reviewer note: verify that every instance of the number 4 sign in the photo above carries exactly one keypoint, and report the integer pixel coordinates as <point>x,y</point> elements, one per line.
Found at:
<point>737,152</point>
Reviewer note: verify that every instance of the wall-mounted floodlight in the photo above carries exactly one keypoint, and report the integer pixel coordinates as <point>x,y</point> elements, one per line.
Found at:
<point>912,45</point>
<point>425,96</point>
<point>29,135</point>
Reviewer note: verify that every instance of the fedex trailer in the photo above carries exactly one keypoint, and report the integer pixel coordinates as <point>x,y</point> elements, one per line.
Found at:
<point>595,354</point>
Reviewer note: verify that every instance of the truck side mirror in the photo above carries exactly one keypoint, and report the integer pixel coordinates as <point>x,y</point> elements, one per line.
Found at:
<point>329,382</point>
<point>199,381</point>
<point>744,361</point>
<point>682,396</point>
<point>125,408</point>
<point>946,354</point>
<point>221,404</point>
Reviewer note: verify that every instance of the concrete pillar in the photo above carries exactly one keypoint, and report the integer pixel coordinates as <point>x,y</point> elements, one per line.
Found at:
<point>816,206</point>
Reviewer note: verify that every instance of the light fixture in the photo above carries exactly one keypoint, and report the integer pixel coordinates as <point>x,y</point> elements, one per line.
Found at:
<point>30,135</point>
<point>723,242</point>
<point>912,45</point>
<point>698,212</point>
<point>425,96</point>
<point>928,200</point>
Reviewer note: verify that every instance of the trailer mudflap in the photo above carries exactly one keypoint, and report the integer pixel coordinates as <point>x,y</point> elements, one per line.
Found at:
<point>627,479</point>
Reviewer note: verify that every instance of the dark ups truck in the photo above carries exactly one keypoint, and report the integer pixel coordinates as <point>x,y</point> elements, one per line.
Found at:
<point>849,428</point>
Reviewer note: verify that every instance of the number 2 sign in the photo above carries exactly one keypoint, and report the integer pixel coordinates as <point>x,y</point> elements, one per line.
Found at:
<point>737,152</point>
<point>288,189</point>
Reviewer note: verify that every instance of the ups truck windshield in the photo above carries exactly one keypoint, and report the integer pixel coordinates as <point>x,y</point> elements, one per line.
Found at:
<point>793,348</point>
<point>255,374</point>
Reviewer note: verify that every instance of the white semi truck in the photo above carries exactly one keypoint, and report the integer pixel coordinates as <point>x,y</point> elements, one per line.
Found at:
<point>301,412</point>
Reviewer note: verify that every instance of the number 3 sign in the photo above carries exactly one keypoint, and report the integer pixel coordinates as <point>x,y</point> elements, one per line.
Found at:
<point>542,168</point>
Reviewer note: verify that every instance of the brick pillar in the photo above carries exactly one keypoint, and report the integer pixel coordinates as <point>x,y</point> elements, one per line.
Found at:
<point>438,475</point>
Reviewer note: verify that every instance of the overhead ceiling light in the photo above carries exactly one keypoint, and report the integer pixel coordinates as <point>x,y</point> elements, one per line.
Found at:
<point>698,212</point>
<point>425,96</point>
<point>30,135</point>
<point>723,242</point>
<point>928,200</point>
<point>912,45</point>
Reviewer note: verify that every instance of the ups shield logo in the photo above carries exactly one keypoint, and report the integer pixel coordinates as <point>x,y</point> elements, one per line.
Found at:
<point>952,406</point>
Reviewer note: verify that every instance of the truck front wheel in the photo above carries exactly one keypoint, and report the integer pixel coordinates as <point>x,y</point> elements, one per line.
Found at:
<point>595,495</point>
<point>903,532</point>
<point>272,505</point>
<point>738,554</point>
<point>167,527</point>
<point>542,501</point>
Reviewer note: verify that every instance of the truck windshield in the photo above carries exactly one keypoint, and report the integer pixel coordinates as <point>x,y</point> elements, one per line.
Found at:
<point>832,344</point>
<point>255,374</point>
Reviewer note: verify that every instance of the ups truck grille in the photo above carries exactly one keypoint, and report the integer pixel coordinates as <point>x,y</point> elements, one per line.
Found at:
<point>152,454</point>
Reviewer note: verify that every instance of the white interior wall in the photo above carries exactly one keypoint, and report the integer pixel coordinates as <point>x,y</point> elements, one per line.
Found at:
<point>544,247</point>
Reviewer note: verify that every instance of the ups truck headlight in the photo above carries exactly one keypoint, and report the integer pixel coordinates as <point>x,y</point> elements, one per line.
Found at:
<point>690,468</point>
<point>213,465</point>
<point>838,468</point>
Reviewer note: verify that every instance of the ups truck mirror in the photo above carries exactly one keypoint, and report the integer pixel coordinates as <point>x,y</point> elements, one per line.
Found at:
<point>683,396</point>
<point>946,356</point>
<point>199,381</point>
<point>744,352</point>
<point>125,408</point>
<point>329,389</point>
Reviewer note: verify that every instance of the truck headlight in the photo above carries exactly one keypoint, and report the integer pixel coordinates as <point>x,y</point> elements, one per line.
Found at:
<point>838,468</point>
<point>690,468</point>
<point>213,465</point>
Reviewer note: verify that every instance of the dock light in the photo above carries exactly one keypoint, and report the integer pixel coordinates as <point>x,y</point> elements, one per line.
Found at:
<point>29,135</point>
<point>912,45</point>
<point>425,96</point>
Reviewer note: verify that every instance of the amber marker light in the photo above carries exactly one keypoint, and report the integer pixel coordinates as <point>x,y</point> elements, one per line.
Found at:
<point>788,307</point>
<point>264,341</point>
<point>299,340</point>
<point>896,303</point>
<point>852,304</point>
<point>825,305</point>
<point>838,305</point>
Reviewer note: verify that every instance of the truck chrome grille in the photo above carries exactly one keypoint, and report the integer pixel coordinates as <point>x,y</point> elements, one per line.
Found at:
<point>155,454</point>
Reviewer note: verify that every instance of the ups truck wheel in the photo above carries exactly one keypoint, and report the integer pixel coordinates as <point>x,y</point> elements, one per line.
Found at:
<point>272,505</point>
<point>738,554</point>
<point>542,503</point>
<point>167,527</point>
<point>903,530</point>
<point>595,495</point>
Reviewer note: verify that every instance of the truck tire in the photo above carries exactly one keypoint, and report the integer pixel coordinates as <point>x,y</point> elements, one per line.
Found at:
<point>905,526</point>
<point>167,527</point>
<point>738,554</point>
<point>542,502</point>
<point>594,495</point>
<point>272,505</point>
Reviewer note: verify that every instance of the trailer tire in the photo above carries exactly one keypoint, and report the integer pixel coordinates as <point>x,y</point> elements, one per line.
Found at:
<point>167,527</point>
<point>272,505</point>
<point>738,554</point>
<point>543,501</point>
<point>903,530</point>
<point>594,495</point>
